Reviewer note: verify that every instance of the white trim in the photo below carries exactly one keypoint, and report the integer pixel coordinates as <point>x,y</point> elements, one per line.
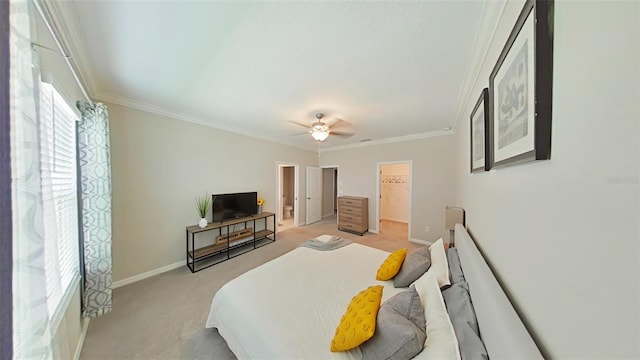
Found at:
<point>63,306</point>
<point>60,38</point>
<point>154,109</point>
<point>424,135</point>
<point>83,335</point>
<point>148,274</point>
<point>378,184</point>
<point>158,110</point>
<point>278,199</point>
<point>419,241</point>
<point>403,221</point>
<point>64,15</point>
<point>492,13</point>
<point>296,203</point>
<point>296,193</point>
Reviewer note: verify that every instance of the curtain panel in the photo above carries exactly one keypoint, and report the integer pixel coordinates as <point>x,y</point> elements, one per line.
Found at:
<point>6,252</point>
<point>95,201</point>
<point>31,318</point>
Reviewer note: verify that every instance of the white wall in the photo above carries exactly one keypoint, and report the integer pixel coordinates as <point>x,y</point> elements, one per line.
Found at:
<point>432,184</point>
<point>160,165</point>
<point>563,234</point>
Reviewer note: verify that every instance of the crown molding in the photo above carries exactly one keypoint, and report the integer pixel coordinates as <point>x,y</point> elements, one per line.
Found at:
<point>65,17</point>
<point>492,13</point>
<point>142,106</point>
<point>154,109</point>
<point>391,140</point>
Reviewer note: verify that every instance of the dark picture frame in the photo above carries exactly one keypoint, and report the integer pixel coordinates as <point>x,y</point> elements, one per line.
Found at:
<point>521,89</point>
<point>480,149</point>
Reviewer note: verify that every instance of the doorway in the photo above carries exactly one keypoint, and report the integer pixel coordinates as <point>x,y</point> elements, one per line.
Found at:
<point>394,198</point>
<point>287,196</point>
<point>330,193</point>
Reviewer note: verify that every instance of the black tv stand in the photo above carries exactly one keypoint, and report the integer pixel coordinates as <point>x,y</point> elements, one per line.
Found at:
<point>229,244</point>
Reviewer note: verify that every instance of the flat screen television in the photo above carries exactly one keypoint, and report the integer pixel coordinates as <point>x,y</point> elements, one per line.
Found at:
<point>233,206</point>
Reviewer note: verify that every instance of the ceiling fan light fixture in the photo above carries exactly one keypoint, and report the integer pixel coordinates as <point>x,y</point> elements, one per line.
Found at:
<point>319,130</point>
<point>320,134</point>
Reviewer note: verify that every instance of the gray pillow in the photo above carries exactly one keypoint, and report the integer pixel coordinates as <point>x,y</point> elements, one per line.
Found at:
<point>414,265</point>
<point>465,324</point>
<point>459,306</point>
<point>400,328</point>
<point>455,269</point>
<point>469,343</point>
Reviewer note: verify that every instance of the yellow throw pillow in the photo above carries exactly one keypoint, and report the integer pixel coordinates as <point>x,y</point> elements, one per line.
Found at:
<point>359,321</point>
<point>391,266</point>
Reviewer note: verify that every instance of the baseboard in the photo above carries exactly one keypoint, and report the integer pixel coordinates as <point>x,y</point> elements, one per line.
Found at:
<point>395,220</point>
<point>419,241</point>
<point>83,334</point>
<point>148,274</point>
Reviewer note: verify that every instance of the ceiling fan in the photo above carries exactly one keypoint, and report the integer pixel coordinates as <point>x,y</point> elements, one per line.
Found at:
<point>320,130</point>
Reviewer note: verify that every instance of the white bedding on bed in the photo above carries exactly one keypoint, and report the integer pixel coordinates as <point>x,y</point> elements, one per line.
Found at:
<point>257,331</point>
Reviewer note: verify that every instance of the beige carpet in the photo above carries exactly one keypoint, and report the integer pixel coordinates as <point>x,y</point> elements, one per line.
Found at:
<point>163,317</point>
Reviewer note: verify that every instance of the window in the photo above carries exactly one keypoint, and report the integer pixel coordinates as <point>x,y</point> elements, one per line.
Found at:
<point>60,203</point>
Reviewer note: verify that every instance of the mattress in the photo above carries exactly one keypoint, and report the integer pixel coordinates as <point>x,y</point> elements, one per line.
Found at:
<point>290,306</point>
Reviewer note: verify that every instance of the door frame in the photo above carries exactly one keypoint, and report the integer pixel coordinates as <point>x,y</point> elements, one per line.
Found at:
<point>378,193</point>
<point>296,192</point>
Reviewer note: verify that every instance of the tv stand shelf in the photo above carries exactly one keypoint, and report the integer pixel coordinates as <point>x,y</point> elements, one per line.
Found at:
<point>229,244</point>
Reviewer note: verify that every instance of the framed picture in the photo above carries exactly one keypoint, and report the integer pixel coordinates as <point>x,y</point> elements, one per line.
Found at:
<point>520,86</point>
<point>480,134</point>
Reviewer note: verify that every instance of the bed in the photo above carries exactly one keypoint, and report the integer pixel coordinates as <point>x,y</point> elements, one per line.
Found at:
<point>289,307</point>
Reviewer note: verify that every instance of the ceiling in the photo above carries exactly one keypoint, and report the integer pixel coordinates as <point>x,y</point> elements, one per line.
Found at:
<point>392,69</point>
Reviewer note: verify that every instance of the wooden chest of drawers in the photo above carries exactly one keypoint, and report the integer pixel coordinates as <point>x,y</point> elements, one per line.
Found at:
<point>353,214</point>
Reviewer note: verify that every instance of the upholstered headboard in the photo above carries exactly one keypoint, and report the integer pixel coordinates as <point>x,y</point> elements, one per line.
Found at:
<point>501,329</point>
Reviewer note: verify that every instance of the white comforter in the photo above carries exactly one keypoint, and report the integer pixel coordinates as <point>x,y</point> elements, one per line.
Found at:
<point>289,307</point>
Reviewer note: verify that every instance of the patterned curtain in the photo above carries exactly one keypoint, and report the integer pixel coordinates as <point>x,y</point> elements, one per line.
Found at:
<point>31,324</point>
<point>95,183</point>
<point>6,252</point>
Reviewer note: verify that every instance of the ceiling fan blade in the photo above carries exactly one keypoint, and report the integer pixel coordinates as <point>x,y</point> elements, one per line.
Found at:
<point>342,133</point>
<point>339,123</point>
<point>300,124</point>
<point>304,133</point>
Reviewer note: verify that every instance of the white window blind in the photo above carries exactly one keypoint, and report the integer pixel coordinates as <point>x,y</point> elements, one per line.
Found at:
<point>60,203</point>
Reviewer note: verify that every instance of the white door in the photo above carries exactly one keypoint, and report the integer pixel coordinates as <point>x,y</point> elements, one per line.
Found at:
<point>314,194</point>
